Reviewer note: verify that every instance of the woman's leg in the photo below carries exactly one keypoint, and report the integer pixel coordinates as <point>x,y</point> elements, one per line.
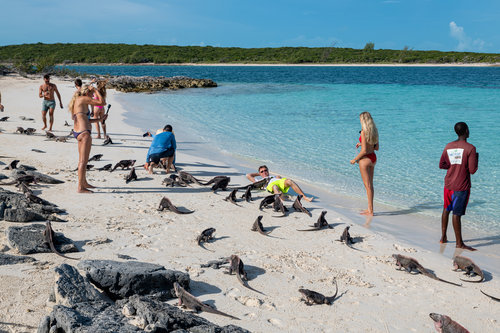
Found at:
<point>103,125</point>
<point>84,144</point>
<point>367,169</point>
<point>97,114</point>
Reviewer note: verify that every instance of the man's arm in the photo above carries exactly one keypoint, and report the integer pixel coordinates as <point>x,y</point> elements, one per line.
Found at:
<point>473,161</point>
<point>174,143</point>
<point>251,176</point>
<point>40,92</point>
<point>444,162</point>
<point>58,95</point>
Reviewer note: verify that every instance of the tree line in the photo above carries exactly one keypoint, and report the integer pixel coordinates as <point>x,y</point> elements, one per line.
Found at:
<point>37,56</point>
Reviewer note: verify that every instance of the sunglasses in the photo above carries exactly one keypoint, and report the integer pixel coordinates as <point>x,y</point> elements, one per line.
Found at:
<point>261,171</point>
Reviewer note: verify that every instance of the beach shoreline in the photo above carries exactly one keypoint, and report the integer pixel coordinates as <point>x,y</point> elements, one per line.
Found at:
<point>377,299</point>
<point>294,65</point>
<point>418,229</point>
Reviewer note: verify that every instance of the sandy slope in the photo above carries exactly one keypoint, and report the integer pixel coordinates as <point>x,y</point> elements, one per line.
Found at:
<point>122,219</point>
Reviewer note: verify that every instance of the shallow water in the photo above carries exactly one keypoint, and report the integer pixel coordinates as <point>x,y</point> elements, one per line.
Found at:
<point>303,121</point>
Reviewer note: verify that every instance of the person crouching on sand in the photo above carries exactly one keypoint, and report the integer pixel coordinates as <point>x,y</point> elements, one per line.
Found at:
<point>79,108</point>
<point>461,160</point>
<point>277,184</point>
<point>162,147</point>
<point>368,141</point>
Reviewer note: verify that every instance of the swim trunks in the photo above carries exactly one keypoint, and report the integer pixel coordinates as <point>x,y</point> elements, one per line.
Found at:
<point>155,158</point>
<point>456,201</point>
<point>46,105</point>
<point>280,182</point>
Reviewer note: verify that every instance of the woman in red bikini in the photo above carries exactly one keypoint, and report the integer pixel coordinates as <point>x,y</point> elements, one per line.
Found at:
<point>368,140</point>
<point>78,106</point>
<point>99,109</point>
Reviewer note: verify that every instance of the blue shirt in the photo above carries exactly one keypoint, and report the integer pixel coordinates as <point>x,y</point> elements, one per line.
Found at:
<point>161,142</point>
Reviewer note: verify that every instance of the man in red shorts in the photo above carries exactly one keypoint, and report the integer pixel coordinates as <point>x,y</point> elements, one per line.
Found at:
<point>460,159</point>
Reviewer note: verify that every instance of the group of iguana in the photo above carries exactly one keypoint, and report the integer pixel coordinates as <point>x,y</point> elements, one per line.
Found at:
<point>442,322</point>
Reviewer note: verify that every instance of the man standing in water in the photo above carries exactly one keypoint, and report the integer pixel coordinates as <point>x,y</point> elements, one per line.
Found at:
<point>460,159</point>
<point>46,92</point>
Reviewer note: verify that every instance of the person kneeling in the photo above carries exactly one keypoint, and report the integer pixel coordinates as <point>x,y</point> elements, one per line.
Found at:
<point>162,147</point>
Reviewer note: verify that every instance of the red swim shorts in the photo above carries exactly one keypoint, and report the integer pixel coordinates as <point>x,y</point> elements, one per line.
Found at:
<point>456,201</point>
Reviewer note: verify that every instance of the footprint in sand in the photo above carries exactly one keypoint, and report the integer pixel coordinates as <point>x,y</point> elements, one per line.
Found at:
<point>250,301</point>
<point>404,249</point>
<point>276,322</point>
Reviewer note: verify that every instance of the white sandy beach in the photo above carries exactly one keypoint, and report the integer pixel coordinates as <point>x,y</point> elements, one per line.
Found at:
<point>122,219</point>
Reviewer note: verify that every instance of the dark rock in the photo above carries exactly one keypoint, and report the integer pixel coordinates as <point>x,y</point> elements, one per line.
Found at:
<point>72,290</point>
<point>25,210</point>
<point>152,84</point>
<point>23,167</point>
<point>7,259</point>
<point>21,215</point>
<point>82,308</point>
<point>2,209</point>
<point>42,178</point>
<point>2,176</point>
<point>124,279</point>
<point>30,239</point>
<point>44,326</point>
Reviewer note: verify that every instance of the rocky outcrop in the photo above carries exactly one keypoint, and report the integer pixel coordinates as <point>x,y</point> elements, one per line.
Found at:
<point>30,239</point>
<point>7,259</point>
<point>124,279</point>
<point>154,84</point>
<point>81,307</point>
<point>16,207</point>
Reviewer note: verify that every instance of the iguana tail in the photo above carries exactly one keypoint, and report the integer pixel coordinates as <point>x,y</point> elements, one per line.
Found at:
<point>244,284</point>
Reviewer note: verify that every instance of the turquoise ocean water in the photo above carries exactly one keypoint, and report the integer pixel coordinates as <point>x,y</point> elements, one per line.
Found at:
<point>304,122</point>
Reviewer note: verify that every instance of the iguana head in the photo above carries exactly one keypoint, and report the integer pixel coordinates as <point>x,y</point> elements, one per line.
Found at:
<point>438,321</point>
<point>177,289</point>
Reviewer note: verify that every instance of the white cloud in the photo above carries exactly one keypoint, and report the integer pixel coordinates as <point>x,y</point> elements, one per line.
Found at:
<point>465,43</point>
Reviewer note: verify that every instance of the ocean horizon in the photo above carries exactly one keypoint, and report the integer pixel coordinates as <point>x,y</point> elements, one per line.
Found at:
<point>304,122</point>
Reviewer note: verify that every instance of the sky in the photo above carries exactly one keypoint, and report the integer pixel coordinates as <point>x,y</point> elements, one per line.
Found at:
<point>444,25</point>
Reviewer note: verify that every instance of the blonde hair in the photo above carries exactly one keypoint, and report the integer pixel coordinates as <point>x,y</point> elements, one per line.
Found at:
<point>101,86</point>
<point>82,92</point>
<point>369,128</point>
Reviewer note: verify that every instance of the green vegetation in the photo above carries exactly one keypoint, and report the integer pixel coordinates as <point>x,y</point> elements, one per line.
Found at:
<point>42,57</point>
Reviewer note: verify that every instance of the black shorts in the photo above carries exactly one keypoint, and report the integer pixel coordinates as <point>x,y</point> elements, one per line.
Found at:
<point>155,158</point>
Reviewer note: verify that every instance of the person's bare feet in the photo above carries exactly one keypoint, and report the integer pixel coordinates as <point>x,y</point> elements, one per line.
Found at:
<point>50,129</point>
<point>84,190</point>
<point>443,240</point>
<point>44,127</point>
<point>465,247</point>
<point>308,199</point>
<point>98,137</point>
<point>89,186</point>
<point>367,213</point>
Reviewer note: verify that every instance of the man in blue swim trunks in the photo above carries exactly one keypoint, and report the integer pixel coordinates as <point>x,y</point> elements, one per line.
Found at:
<point>162,147</point>
<point>46,92</point>
<point>460,159</point>
<point>277,184</point>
